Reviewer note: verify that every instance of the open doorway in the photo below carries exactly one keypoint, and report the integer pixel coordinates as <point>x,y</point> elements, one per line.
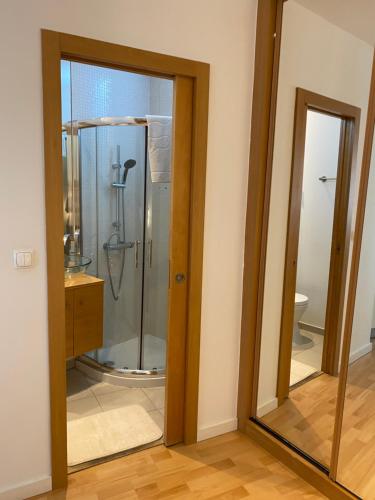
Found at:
<point>116,148</point>
<point>101,351</point>
<point>318,234</point>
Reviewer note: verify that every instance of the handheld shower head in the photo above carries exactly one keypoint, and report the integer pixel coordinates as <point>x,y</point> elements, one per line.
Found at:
<point>127,166</point>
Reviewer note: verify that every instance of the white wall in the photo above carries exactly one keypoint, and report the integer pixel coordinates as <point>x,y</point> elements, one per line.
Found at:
<point>212,31</point>
<point>317,209</point>
<point>320,57</point>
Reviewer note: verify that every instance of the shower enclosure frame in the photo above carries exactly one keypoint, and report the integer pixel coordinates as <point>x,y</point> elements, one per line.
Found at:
<point>190,112</point>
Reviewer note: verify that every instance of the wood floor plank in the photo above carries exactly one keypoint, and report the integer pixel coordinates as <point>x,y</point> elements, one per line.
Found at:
<point>356,466</point>
<point>307,417</point>
<point>226,467</point>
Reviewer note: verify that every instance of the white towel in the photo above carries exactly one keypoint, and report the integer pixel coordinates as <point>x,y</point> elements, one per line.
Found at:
<point>159,147</point>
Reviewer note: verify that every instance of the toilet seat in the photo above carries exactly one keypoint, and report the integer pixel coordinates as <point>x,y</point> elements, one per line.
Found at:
<point>300,300</point>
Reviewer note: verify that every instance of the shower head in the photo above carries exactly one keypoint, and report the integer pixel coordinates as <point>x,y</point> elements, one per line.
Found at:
<point>127,166</point>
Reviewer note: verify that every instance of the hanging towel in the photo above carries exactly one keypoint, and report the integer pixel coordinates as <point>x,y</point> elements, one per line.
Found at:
<point>159,147</point>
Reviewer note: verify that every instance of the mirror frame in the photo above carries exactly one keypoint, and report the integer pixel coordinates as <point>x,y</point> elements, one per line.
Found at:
<point>266,69</point>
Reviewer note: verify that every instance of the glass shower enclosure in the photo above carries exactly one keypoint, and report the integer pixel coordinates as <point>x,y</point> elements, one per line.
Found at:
<point>117,217</point>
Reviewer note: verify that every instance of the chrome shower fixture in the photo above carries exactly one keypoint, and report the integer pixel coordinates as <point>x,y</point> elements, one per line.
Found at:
<point>117,240</point>
<point>127,166</point>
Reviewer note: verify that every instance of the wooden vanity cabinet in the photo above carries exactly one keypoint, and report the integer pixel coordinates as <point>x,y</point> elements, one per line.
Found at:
<point>83,314</point>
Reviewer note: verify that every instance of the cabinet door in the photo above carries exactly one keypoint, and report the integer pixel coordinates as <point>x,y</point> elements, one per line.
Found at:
<point>69,322</point>
<point>88,318</point>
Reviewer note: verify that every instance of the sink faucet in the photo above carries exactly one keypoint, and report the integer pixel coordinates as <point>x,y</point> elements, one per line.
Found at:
<point>68,239</point>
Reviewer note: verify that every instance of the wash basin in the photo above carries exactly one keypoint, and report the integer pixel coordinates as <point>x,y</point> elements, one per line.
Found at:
<point>74,264</point>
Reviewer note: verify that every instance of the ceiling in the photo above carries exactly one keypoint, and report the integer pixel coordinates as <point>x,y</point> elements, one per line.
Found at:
<point>355,16</point>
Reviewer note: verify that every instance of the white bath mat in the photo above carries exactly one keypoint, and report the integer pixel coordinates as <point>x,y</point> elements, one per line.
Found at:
<point>110,432</point>
<point>299,371</point>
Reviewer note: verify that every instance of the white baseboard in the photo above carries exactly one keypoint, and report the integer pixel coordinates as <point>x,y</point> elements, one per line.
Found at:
<point>27,490</point>
<point>358,353</point>
<point>267,407</point>
<point>215,430</point>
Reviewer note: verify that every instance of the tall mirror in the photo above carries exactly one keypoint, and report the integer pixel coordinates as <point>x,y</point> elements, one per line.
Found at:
<point>356,464</point>
<point>323,89</point>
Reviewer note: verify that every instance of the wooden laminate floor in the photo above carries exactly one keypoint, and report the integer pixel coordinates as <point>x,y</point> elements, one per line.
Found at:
<point>226,467</point>
<point>356,466</point>
<point>307,417</point>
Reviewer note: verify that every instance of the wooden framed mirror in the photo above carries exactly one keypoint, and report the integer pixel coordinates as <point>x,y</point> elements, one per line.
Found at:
<point>325,49</point>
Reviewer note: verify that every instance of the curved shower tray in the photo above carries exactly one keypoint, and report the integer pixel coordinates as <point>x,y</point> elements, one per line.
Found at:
<point>124,378</point>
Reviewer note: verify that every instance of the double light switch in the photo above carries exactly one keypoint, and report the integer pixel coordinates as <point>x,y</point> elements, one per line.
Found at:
<point>23,258</point>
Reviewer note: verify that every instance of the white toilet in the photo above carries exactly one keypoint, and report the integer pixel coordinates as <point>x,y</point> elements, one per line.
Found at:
<point>300,305</point>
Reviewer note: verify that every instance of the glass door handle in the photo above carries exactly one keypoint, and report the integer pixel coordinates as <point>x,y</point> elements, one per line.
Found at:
<point>149,253</point>
<point>136,253</point>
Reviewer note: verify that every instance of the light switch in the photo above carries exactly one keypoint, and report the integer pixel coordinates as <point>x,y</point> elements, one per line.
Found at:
<point>20,259</point>
<point>23,258</point>
<point>27,259</point>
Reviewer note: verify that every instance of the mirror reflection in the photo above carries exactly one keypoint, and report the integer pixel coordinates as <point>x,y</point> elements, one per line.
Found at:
<point>323,88</point>
<point>356,465</point>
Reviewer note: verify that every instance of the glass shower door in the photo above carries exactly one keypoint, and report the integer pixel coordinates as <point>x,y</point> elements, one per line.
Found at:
<point>122,300</point>
<point>156,275</point>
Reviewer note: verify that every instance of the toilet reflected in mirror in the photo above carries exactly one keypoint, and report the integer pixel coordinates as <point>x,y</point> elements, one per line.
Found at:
<point>300,341</point>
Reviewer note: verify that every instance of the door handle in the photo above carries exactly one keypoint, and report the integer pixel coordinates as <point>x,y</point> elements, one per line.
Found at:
<point>149,253</point>
<point>180,278</point>
<point>136,253</point>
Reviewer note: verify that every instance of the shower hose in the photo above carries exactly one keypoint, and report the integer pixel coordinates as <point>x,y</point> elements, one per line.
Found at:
<point>119,245</point>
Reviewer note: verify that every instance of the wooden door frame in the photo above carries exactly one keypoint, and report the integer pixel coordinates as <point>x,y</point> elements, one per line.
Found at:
<point>185,365</point>
<point>266,73</point>
<point>347,158</point>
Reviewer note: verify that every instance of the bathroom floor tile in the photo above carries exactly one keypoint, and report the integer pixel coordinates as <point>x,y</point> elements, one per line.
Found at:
<point>88,398</point>
<point>103,388</point>
<point>119,399</point>
<point>318,339</point>
<point>78,385</point>
<point>310,357</point>
<point>305,362</point>
<point>299,371</point>
<point>158,418</point>
<point>83,407</point>
<point>295,377</point>
<point>157,396</point>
